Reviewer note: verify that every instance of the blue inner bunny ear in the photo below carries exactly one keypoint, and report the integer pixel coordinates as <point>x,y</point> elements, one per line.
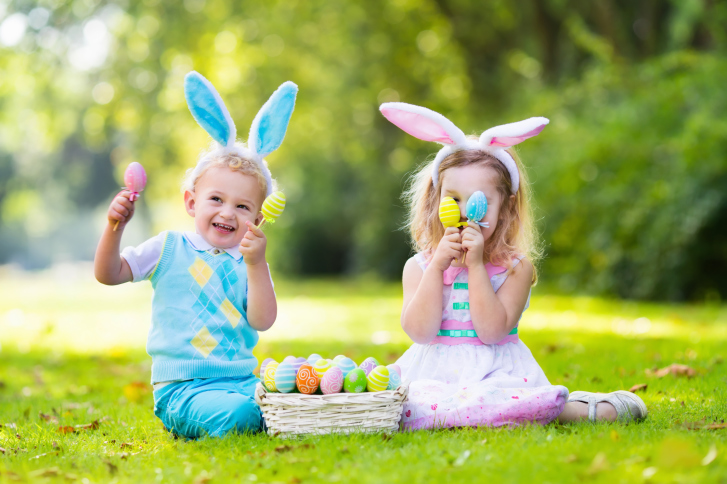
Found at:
<point>208,109</point>
<point>269,127</point>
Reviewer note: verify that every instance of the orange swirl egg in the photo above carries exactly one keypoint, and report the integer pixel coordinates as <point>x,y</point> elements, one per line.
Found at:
<point>307,380</point>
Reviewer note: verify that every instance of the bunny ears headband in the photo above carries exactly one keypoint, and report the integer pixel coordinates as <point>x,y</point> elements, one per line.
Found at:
<point>267,130</point>
<point>428,125</point>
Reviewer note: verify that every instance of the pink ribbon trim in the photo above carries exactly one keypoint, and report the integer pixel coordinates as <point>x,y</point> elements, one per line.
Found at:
<point>452,272</point>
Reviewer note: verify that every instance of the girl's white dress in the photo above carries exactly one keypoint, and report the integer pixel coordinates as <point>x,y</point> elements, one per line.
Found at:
<point>457,380</point>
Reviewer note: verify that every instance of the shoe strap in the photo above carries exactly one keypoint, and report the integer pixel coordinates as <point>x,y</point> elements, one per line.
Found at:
<point>592,402</point>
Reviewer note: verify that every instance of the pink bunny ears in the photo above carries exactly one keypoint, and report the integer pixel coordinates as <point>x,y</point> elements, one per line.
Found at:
<point>428,125</point>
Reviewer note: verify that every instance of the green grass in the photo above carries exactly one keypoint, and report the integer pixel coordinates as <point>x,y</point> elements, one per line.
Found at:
<point>72,350</point>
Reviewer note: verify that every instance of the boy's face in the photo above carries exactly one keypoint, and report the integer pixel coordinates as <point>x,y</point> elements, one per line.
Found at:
<point>221,203</point>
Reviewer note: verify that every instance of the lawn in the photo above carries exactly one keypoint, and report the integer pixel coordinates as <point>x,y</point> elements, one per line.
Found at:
<point>75,404</point>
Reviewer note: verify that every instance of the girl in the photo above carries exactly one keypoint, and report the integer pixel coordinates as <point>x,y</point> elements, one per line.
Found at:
<point>467,287</point>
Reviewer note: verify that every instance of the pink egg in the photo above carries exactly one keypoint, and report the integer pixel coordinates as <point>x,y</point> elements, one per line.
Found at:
<point>135,179</point>
<point>395,367</point>
<point>332,381</point>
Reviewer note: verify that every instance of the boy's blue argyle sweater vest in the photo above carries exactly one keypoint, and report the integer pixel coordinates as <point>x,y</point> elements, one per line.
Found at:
<point>199,322</point>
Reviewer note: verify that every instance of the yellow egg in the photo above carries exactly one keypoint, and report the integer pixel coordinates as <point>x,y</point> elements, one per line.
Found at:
<point>273,206</point>
<point>321,367</point>
<point>449,212</point>
<point>378,379</point>
<point>269,377</point>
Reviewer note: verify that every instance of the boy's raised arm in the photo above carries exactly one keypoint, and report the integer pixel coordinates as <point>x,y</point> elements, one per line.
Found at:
<point>262,307</point>
<point>109,267</point>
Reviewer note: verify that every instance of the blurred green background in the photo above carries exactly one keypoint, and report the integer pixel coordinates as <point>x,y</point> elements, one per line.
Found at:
<point>629,179</point>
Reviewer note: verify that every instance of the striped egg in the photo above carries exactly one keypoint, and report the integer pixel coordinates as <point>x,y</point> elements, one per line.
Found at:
<point>345,364</point>
<point>476,206</point>
<point>394,379</point>
<point>355,381</point>
<point>312,359</point>
<point>394,367</point>
<point>332,381</point>
<point>378,379</point>
<point>449,212</point>
<point>368,364</point>
<point>298,362</point>
<point>269,376</point>
<point>306,380</point>
<point>285,377</point>
<point>264,364</point>
<point>321,367</point>
<point>273,206</point>
<point>339,358</point>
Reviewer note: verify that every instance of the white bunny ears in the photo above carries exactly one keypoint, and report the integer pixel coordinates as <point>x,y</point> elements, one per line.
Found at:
<point>428,125</point>
<point>266,133</point>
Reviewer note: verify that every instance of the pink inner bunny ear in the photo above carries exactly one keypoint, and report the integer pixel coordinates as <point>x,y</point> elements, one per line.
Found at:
<point>507,141</point>
<point>419,125</point>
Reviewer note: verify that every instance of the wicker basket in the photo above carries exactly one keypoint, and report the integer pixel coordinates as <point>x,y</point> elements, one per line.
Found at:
<point>290,414</point>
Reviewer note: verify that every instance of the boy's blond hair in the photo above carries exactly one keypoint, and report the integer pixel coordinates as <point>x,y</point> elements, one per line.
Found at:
<point>232,159</point>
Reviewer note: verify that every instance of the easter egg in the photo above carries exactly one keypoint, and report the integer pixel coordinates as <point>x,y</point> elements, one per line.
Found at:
<point>339,358</point>
<point>263,365</point>
<point>269,376</point>
<point>289,359</point>
<point>476,206</point>
<point>332,381</point>
<point>313,358</point>
<point>368,364</point>
<point>285,377</point>
<point>298,362</point>
<point>449,212</point>
<point>378,379</point>
<point>306,379</point>
<point>394,379</point>
<point>321,367</point>
<point>345,364</point>
<point>355,381</point>
<point>394,367</point>
<point>273,206</point>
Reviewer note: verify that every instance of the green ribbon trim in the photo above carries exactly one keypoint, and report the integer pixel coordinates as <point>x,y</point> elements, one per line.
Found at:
<point>461,285</point>
<point>464,333</point>
<point>461,305</point>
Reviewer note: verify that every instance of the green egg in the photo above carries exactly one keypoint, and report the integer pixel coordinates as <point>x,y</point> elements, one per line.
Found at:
<point>355,381</point>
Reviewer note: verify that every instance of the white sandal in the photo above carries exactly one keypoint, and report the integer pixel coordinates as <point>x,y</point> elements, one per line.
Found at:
<point>629,406</point>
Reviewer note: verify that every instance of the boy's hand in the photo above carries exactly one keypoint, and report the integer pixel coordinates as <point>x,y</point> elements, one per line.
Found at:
<point>121,209</point>
<point>449,248</point>
<point>474,243</point>
<point>252,245</point>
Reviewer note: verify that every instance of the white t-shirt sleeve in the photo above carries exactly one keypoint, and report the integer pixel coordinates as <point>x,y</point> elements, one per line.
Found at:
<point>144,258</point>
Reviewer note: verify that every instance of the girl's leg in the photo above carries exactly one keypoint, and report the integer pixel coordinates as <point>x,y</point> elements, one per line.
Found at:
<point>618,405</point>
<point>577,411</point>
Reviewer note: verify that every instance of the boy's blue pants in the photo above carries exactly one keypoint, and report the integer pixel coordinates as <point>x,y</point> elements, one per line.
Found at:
<point>209,406</point>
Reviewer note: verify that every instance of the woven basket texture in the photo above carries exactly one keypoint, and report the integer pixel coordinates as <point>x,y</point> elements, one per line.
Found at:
<point>290,414</point>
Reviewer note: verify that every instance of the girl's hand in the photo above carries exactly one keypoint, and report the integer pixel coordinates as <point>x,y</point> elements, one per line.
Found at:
<point>449,248</point>
<point>121,209</point>
<point>252,245</point>
<point>474,243</point>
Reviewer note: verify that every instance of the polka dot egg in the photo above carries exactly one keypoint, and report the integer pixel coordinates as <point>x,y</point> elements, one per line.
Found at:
<point>378,379</point>
<point>345,364</point>
<point>306,379</point>
<point>269,376</point>
<point>321,367</point>
<point>355,381</point>
<point>332,381</point>
<point>369,364</point>
<point>285,377</point>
